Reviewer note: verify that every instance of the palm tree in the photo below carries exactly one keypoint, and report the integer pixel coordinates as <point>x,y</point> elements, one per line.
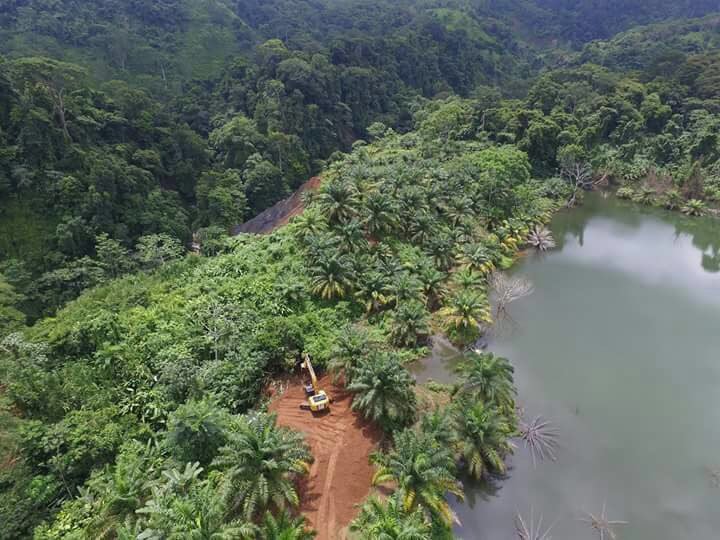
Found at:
<point>260,463</point>
<point>351,347</point>
<point>352,235</point>
<point>310,222</point>
<point>459,209</point>
<point>388,520</point>
<point>198,514</point>
<point>423,471</point>
<point>374,291</point>
<point>383,390</point>
<point>441,248</point>
<point>410,324</point>
<point>490,377</point>
<point>338,201</point>
<point>468,279</point>
<point>407,288</point>
<point>482,438</point>
<point>440,424</point>
<point>380,214</point>
<point>422,228</point>
<point>645,196</point>
<point>433,284</point>
<point>331,276</point>
<point>284,527</point>
<point>464,313</point>
<point>478,257</point>
<point>694,207</point>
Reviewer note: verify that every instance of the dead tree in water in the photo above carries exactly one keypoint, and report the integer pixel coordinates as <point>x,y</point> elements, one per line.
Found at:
<point>507,290</point>
<point>531,530</point>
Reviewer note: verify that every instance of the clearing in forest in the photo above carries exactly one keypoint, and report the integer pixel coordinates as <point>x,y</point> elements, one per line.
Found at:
<point>341,442</point>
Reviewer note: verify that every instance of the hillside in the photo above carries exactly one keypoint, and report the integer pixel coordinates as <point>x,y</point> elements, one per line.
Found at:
<point>395,157</point>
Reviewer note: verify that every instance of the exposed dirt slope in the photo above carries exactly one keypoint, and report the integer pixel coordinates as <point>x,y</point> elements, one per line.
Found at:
<point>341,443</point>
<point>278,215</point>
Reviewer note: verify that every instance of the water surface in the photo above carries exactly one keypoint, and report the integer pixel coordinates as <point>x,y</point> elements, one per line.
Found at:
<point>619,346</point>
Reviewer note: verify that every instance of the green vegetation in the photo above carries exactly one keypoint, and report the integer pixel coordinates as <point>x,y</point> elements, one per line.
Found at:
<point>446,135</point>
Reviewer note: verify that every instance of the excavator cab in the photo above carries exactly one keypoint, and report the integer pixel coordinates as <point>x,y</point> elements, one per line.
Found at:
<point>317,399</point>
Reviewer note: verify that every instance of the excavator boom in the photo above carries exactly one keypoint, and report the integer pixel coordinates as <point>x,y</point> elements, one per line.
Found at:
<point>318,399</point>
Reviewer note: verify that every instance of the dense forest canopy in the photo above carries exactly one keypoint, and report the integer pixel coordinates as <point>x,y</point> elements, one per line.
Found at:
<point>444,132</point>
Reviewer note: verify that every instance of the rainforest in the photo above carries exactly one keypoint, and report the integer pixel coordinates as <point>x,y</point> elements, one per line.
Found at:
<point>485,230</point>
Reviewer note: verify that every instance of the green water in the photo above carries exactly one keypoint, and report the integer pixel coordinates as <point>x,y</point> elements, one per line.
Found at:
<point>619,346</point>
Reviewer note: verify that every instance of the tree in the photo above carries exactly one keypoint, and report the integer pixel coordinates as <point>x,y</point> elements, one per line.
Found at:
<point>575,170</point>
<point>284,527</point>
<point>11,318</point>
<point>260,463</point>
<point>112,256</point>
<point>195,512</point>
<point>352,346</point>
<point>196,431</point>
<point>221,198</point>
<point>410,324</point>
<point>508,289</point>
<point>374,291</point>
<point>264,183</point>
<point>490,377</point>
<point>464,313</point>
<point>388,520</point>
<point>155,250</point>
<point>383,390</point>
<point>338,201</point>
<point>380,214</point>
<point>482,435</point>
<point>332,276</point>
<point>422,471</point>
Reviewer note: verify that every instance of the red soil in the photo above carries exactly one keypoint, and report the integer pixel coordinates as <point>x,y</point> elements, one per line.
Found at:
<point>341,442</point>
<point>280,214</point>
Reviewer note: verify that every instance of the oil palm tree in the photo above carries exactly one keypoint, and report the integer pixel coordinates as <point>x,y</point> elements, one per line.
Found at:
<point>479,257</point>
<point>433,284</point>
<point>694,207</point>
<point>352,235</point>
<point>260,463</point>
<point>284,527</point>
<point>331,276</point>
<point>423,471</point>
<point>388,520</point>
<point>468,279</point>
<point>465,311</point>
<point>352,346</point>
<point>380,214</point>
<point>198,514</point>
<point>458,209</point>
<point>490,377</point>
<point>422,228</point>
<point>441,248</point>
<point>310,222</point>
<point>338,201</point>
<point>483,438</point>
<point>374,291</point>
<point>383,390</point>
<point>410,324</point>
<point>407,288</point>
<point>440,425</point>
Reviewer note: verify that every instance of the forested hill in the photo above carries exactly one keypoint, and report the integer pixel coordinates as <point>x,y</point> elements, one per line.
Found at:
<point>127,126</point>
<point>161,44</point>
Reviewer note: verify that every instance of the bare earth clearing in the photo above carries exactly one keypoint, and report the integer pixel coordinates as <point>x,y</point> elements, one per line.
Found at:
<point>340,441</point>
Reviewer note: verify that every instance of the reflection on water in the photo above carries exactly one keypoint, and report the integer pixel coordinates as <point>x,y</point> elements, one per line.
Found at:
<point>618,346</point>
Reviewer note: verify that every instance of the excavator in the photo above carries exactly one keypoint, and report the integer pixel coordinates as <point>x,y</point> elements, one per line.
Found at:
<point>317,399</point>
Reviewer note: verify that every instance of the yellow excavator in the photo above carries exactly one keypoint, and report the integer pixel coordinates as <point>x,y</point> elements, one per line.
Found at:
<point>317,399</point>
